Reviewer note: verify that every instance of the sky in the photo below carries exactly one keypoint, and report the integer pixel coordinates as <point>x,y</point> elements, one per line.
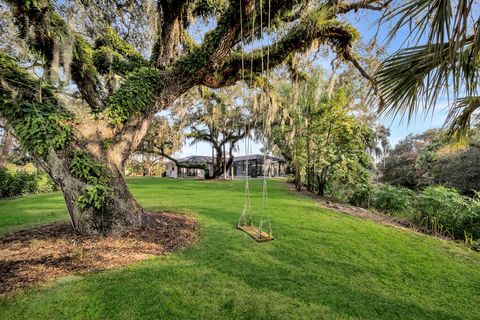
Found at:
<point>368,28</point>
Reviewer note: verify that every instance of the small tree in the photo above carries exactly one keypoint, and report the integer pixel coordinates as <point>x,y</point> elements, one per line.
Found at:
<point>321,133</point>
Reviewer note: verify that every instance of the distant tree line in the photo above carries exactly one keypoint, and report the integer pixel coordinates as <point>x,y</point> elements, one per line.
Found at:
<point>426,159</point>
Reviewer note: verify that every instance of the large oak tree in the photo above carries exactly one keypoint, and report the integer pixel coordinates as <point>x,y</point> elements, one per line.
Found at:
<point>81,101</point>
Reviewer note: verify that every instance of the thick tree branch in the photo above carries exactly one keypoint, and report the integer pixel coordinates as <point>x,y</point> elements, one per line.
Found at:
<point>332,32</point>
<point>170,26</point>
<point>377,5</point>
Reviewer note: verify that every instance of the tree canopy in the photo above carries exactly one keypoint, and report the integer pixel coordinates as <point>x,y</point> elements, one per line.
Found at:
<point>82,80</point>
<point>319,134</point>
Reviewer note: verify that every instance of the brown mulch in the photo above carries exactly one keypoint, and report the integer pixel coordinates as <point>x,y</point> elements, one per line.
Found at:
<point>51,251</point>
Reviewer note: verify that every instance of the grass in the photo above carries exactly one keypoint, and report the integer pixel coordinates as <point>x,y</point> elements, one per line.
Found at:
<point>27,211</point>
<point>322,265</point>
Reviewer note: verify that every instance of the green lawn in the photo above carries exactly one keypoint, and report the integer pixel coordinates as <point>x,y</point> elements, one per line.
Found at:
<point>322,265</point>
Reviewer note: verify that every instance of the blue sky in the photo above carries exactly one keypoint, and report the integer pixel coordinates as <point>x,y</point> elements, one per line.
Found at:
<point>367,26</point>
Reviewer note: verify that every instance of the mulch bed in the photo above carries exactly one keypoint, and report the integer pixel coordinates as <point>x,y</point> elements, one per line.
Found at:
<point>51,251</point>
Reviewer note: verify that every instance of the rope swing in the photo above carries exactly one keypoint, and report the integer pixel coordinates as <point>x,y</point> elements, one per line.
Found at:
<point>245,221</point>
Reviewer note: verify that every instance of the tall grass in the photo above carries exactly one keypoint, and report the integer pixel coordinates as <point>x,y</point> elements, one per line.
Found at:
<point>444,211</point>
<point>441,210</point>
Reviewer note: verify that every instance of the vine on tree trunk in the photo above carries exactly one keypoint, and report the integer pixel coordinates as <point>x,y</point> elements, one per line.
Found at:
<point>83,167</point>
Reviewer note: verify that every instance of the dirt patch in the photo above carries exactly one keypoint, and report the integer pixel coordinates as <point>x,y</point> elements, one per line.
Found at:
<point>51,251</point>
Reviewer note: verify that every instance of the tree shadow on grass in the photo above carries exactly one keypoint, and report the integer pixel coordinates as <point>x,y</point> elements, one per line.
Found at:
<point>188,288</point>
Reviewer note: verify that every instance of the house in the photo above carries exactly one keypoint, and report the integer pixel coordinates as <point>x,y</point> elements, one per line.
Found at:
<point>275,166</point>
<point>172,171</point>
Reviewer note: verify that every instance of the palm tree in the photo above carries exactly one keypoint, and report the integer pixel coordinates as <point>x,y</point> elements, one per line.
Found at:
<point>446,65</point>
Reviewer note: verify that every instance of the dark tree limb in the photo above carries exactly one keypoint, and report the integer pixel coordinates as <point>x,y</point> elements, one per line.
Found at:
<point>170,27</point>
<point>332,32</point>
<point>376,5</point>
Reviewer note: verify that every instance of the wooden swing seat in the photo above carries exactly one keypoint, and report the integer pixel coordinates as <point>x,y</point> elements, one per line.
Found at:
<point>255,233</point>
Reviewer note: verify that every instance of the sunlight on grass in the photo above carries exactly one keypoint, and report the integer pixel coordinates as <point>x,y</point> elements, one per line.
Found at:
<point>322,265</point>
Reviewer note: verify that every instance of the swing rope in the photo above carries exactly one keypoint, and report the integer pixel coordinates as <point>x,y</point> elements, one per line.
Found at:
<point>266,107</point>
<point>244,222</point>
<point>246,216</point>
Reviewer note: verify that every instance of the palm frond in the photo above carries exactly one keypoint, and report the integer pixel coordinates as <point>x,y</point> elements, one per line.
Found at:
<point>431,18</point>
<point>419,76</point>
<point>411,78</point>
<point>448,63</point>
<point>460,119</point>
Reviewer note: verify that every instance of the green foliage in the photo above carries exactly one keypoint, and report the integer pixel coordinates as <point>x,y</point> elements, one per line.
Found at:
<point>361,195</point>
<point>39,127</point>
<point>83,53</point>
<point>83,167</point>
<point>208,8</point>
<point>106,143</point>
<point>385,198</point>
<point>390,199</point>
<point>405,164</point>
<point>94,196</point>
<point>105,60</point>
<point>19,182</point>
<point>111,39</point>
<point>39,123</point>
<point>321,135</point>
<point>112,53</point>
<point>49,24</point>
<point>438,209</point>
<point>426,159</point>
<point>135,95</point>
<point>459,170</point>
<point>444,211</point>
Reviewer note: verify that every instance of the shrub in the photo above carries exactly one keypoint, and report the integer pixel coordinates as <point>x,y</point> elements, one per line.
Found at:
<point>385,198</point>
<point>439,209</point>
<point>361,196</point>
<point>444,211</point>
<point>391,199</point>
<point>18,182</point>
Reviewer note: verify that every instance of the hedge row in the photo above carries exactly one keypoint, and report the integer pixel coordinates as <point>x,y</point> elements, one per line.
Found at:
<point>20,182</point>
<point>439,209</point>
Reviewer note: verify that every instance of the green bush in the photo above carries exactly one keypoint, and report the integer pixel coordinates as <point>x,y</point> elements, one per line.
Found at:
<point>385,198</point>
<point>438,209</point>
<point>391,199</point>
<point>15,183</point>
<point>444,211</point>
<point>361,196</point>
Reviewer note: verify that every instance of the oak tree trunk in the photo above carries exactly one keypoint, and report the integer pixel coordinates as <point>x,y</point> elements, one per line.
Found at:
<point>119,210</point>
